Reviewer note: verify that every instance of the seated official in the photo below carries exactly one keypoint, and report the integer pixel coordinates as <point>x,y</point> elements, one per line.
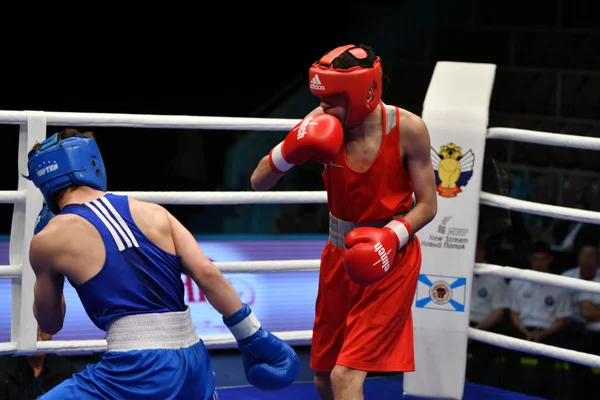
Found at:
<point>583,333</point>
<point>539,313</point>
<point>489,303</point>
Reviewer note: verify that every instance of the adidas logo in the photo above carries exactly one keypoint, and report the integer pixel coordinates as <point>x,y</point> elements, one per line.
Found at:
<point>315,83</point>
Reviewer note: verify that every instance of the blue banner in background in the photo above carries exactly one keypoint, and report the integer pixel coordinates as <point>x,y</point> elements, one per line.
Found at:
<point>283,302</point>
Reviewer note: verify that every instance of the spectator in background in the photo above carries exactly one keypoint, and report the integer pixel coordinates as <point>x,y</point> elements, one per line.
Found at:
<point>509,247</point>
<point>572,235</point>
<point>539,313</point>
<point>489,302</point>
<point>587,269</point>
<point>587,338</point>
<point>27,377</point>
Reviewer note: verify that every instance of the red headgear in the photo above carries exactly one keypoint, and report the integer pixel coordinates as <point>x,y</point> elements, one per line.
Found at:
<point>361,86</point>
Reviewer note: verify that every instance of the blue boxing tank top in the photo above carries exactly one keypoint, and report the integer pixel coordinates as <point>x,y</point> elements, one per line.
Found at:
<point>137,277</point>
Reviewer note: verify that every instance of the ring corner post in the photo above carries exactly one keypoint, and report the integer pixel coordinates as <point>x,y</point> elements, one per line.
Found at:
<point>23,323</point>
<point>456,112</point>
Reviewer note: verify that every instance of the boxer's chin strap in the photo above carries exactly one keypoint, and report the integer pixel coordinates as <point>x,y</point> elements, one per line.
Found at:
<point>276,160</point>
<point>402,229</point>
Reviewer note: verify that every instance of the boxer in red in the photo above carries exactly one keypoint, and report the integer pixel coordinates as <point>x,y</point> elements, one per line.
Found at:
<point>376,156</point>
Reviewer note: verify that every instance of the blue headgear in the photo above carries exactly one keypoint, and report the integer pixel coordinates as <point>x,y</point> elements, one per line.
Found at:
<point>59,164</point>
<point>42,220</point>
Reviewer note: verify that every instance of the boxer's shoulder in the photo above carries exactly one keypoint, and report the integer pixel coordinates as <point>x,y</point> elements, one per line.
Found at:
<point>146,210</point>
<point>55,238</point>
<point>62,227</point>
<point>149,216</point>
<point>65,244</point>
<point>410,121</point>
<point>144,206</point>
<point>414,130</point>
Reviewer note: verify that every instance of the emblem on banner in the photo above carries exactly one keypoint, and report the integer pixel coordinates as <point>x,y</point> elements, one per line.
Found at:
<point>453,169</point>
<point>440,293</point>
<point>444,293</point>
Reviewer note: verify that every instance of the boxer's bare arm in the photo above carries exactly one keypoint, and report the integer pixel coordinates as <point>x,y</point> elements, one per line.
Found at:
<point>218,291</point>
<point>46,247</point>
<point>416,148</point>
<point>264,178</point>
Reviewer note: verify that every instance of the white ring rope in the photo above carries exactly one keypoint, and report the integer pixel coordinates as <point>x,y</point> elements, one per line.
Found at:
<point>11,271</point>
<point>223,198</point>
<point>298,337</point>
<point>545,210</point>
<point>511,343</point>
<point>274,266</point>
<point>153,121</point>
<point>74,346</point>
<point>544,138</point>
<point>268,266</point>
<point>269,124</point>
<point>320,197</point>
<point>543,278</point>
<point>226,267</point>
<point>12,196</point>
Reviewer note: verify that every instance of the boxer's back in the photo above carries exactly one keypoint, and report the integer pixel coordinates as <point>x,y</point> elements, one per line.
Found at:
<point>128,265</point>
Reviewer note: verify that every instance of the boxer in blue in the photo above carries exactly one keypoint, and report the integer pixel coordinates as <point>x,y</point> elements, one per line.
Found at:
<point>125,258</point>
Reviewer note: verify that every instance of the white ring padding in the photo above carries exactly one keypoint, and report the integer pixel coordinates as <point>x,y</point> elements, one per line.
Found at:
<point>543,278</point>
<point>224,198</point>
<point>544,138</point>
<point>545,210</point>
<point>85,346</point>
<point>526,346</point>
<point>12,196</point>
<point>154,121</point>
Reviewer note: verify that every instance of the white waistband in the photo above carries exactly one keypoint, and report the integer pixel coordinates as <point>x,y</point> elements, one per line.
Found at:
<point>338,228</point>
<point>173,330</point>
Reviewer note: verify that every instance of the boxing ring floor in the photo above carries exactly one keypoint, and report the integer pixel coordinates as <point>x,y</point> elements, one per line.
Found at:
<point>375,388</point>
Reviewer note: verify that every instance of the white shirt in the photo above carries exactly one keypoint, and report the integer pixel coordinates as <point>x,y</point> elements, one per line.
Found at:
<point>538,306</point>
<point>593,326</point>
<point>488,293</point>
<point>575,295</point>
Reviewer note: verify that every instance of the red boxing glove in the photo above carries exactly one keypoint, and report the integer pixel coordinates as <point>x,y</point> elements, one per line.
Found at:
<point>371,251</point>
<point>320,136</point>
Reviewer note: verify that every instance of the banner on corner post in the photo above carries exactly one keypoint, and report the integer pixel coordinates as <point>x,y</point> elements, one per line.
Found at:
<point>456,110</point>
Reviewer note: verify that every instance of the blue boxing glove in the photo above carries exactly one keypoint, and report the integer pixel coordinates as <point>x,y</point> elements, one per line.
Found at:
<point>270,363</point>
<point>42,219</point>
